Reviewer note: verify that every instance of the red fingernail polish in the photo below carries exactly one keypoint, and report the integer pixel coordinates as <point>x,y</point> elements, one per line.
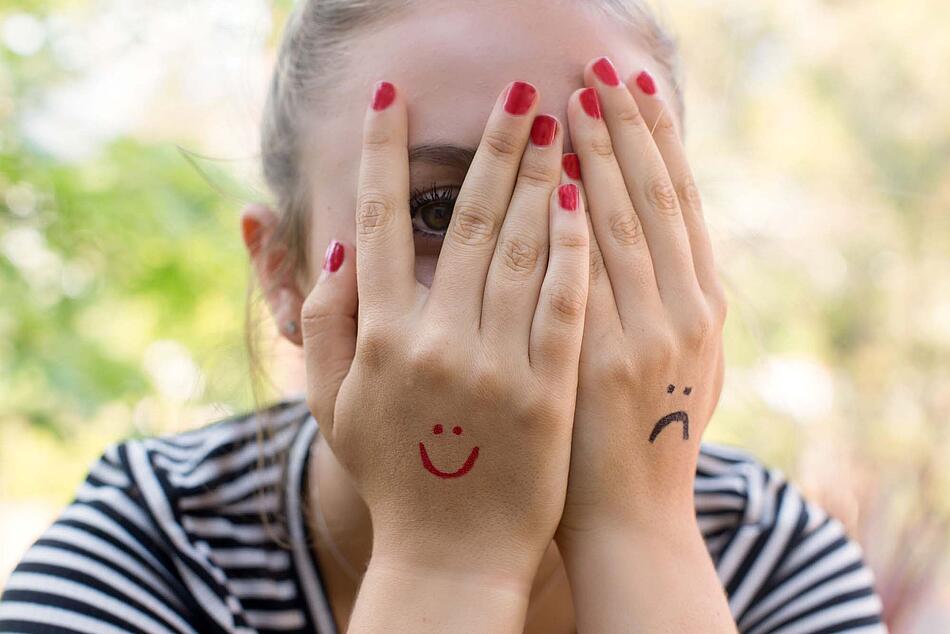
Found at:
<point>605,71</point>
<point>384,95</point>
<point>520,97</point>
<point>333,258</point>
<point>646,83</point>
<point>568,196</point>
<point>590,103</point>
<point>572,166</point>
<point>543,130</point>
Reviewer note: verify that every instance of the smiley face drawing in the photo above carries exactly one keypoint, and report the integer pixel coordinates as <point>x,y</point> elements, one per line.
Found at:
<point>431,468</point>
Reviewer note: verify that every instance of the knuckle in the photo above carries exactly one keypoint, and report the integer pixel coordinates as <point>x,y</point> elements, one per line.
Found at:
<point>376,138</point>
<point>688,194</point>
<point>430,358</point>
<point>602,147</point>
<point>312,313</point>
<point>718,304</point>
<point>520,256</point>
<point>697,330</point>
<point>488,382</point>
<point>373,346</point>
<point>625,227</point>
<point>662,196</point>
<point>630,116</point>
<point>474,221</point>
<point>373,212</point>
<point>567,303</point>
<point>618,370</point>
<point>538,407</point>
<point>535,175</point>
<point>660,349</point>
<point>571,240</point>
<point>664,124</point>
<point>502,144</point>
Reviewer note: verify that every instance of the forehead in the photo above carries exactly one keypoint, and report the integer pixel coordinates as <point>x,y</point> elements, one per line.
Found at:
<point>450,60</point>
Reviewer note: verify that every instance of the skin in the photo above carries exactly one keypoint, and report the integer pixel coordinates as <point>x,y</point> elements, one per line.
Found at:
<point>627,542</point>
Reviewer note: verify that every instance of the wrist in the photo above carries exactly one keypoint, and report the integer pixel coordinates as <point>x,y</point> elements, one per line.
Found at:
<point>399,595</point>
<point>666,529</point>
<point>645,580</point>
<point>508,569</point>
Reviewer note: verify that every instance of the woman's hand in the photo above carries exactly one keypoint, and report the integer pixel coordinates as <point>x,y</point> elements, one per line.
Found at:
<point>452,407</point>
<point>650,371</point>
<point>650,367</point>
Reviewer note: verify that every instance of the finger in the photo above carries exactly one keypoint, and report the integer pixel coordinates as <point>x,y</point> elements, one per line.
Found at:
<point>602,315</point>
<point>521,255</point>
<point>660,119</point>
<point>458,286</point>
<point>328,324</point>
<point>617,227</point>
<point>385,253</point>
<point>558,326</point>
<point>648,182</point>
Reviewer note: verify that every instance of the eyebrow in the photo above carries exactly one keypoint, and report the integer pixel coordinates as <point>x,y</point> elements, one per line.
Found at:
<point>447,154</point>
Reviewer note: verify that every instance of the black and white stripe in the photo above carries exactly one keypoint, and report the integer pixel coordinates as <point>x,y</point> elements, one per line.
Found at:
<point>166,536</point>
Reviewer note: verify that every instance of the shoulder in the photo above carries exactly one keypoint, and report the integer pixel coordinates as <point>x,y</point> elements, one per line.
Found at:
<point>223,466</point>
<point>169,534</point>
<point>784,562</point>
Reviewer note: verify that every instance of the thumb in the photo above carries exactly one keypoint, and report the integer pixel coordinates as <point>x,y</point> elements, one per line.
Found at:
<point>328,323</point>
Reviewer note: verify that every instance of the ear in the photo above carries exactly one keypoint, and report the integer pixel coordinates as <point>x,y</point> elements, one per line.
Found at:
<point>269,261</point>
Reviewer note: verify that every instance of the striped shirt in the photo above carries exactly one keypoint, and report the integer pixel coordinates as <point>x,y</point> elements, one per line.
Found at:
<point>166,535</point>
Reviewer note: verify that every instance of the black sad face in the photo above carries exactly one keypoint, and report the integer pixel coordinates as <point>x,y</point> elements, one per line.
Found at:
<point>431,468</point>
<point>680,416</point>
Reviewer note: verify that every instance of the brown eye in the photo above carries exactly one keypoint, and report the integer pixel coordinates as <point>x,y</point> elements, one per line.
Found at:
<point>432,210</point>
<point>437,215</point>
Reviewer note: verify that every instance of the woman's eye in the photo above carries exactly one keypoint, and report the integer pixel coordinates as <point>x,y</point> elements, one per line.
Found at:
<point>432,210</point>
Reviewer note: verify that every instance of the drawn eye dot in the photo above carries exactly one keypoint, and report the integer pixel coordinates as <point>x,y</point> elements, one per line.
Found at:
<point>437,429</point>
<point>687,390</point>
<point>670,388</point>
<point>457,430</point>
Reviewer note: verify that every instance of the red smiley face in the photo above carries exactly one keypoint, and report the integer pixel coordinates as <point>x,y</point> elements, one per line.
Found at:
<point>431,468</point>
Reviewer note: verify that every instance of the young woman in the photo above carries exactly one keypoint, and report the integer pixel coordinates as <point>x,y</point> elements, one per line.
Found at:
<point>513,347</point>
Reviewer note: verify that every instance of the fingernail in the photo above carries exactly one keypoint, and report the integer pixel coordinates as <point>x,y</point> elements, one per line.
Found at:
<point>384,95</point>
<point>590,103</point>
<point>568,196</point>
<point>333,258</point>
<point>605,71</point>
<point>646,83</point>
<point>572,166</point>
<point>543,130</point>
<point>520,98</point>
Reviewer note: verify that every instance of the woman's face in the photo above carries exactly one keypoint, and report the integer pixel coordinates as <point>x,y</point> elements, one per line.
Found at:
<point>451,60</point>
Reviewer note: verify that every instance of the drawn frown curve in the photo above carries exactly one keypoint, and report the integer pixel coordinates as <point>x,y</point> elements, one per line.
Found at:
<point>679,416</point>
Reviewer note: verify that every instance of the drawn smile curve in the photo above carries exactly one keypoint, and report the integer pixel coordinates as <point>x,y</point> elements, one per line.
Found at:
<point>431,468</point>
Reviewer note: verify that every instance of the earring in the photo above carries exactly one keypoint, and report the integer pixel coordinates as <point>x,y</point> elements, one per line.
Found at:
<point>290,328</point>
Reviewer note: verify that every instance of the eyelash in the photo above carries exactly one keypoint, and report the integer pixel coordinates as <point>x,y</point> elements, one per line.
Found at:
<point>421,197</point>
